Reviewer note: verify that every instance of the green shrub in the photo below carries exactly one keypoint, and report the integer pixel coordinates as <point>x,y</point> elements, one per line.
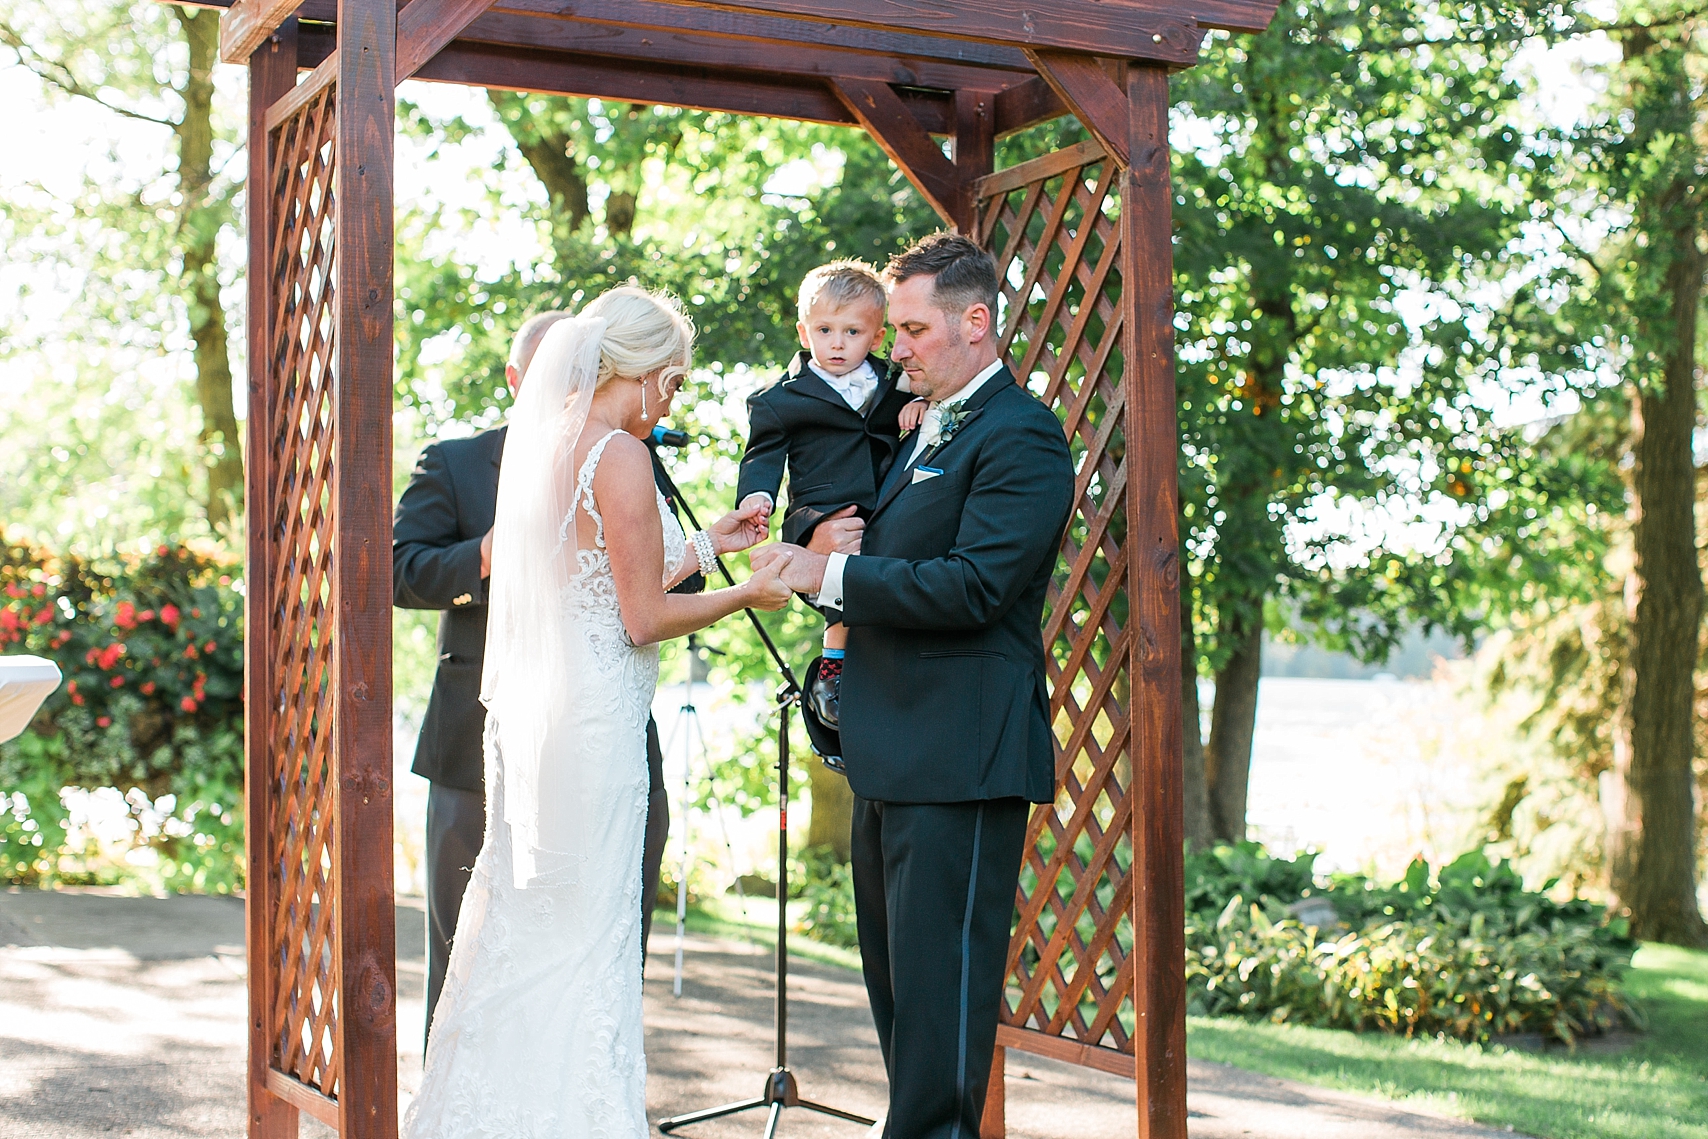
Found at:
<point>1467,952</point>
<point>151,648</point>
<point>827,886</point>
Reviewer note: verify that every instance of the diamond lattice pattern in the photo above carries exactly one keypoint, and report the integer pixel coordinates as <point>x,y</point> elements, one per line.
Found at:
<point>303,957</point>
<point>1070,965</point>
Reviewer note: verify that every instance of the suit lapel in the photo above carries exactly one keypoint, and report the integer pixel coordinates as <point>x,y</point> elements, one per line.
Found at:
<point>975,403</point>
<point>804,381</point>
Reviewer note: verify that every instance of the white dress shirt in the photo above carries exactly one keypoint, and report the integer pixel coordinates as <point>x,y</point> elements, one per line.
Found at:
<point>830,592</point>
<point>854,387</point>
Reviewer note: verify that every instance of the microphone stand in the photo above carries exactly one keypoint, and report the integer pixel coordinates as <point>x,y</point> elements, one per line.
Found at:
<point>781,1088</point>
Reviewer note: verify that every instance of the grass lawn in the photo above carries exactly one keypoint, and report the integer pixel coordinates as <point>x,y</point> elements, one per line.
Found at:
<point>1657,1089</point>
<point>724,917</point>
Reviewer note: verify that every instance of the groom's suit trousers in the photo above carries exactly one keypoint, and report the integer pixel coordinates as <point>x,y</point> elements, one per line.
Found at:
<point>934,889</point>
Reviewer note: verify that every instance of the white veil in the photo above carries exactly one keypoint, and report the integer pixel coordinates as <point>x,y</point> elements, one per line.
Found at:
<point>525,683</point>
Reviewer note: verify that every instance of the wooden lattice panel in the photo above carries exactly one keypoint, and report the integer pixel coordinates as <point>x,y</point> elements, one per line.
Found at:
<point>303,960</point>
<point>1050,226</point>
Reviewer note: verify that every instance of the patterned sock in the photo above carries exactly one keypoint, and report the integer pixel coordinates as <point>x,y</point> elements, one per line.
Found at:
<point>831,668</point>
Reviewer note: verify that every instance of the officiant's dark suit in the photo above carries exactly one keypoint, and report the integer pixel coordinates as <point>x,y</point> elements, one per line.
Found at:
<point>946,736</point>
<point>443,514</point>
<point>833,453</point>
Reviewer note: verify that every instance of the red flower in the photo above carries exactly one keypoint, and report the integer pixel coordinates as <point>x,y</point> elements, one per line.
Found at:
<point>145,615</point>
<point>190,651</point>
<point>118,682</point>
<point>8,620</point>
<point>195,612</point>
<point>147,688</point>
<point>209,647</point>
<point>14,591</point>
<point>225,579</point>
<point>91,656</point>
<point>71,687</point>
<point>64,635</point>
<point>188,704</point>
<point>125,618</point>
<point>111,654</point>
<point>76,699</point>
<point>169,615</point>
<point>44,616</point>
<point>38,590</point>
<point>103,721</point>
<point>162,551</point>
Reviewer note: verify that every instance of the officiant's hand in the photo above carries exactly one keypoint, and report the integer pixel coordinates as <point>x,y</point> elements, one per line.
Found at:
<point>838,533</point>
<point>740,529</point>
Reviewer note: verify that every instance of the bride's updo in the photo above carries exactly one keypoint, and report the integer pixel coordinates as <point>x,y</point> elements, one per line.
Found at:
<point>644,332</point>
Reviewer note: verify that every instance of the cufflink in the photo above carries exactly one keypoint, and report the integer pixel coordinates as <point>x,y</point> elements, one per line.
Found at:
<point>463,600</point>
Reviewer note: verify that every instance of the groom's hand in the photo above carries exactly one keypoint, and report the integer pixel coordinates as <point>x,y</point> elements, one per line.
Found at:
<point>803,570</point>
<point>838,533</point>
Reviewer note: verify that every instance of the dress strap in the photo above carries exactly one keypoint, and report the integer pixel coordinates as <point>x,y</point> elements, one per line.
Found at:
<point>584,487</point>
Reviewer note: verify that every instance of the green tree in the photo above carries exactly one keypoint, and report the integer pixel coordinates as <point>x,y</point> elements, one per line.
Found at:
<point>1343,218</point>
<point>153,64</point>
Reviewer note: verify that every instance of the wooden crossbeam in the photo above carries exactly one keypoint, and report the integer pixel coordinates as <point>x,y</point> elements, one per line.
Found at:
<point>247,24</point>
<point>909,145</point>
<point>1088,91</point>
<point>427,26</point>
<point>1134,29</point>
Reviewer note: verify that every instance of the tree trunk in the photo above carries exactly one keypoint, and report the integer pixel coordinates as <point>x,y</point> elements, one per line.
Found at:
<point>199,224</point>
<point>1233,722</point>
<point>1195,787</point>
<point>1651,799</point>
<point>832,817</point>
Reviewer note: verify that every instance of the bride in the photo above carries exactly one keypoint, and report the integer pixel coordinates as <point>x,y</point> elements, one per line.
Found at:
<point>538,1032</point>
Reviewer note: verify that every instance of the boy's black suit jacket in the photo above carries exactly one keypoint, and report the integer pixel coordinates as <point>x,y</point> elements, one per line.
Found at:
<point>944,694</point>
<point>441,517</point>
<point>833,454</point>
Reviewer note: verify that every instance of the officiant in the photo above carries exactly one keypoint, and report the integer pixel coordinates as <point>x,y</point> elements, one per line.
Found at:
<point>441,558</point>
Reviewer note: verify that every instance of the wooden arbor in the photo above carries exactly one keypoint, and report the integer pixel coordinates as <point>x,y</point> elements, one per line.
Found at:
<point>1083,239</point>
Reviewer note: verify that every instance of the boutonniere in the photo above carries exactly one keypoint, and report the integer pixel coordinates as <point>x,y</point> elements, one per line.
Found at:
<point>950,421</point>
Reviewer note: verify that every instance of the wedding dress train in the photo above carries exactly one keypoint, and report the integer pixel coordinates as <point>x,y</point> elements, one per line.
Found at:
<point>538,1032</point>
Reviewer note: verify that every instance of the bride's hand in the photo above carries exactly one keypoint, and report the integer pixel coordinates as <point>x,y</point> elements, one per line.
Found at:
<point>741,529</point>
<point>765,588</point>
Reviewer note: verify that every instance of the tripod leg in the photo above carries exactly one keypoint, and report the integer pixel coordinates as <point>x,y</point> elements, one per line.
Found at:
<point>836,1111</point>
<point>675,1121</point>
<point>771,1124</point>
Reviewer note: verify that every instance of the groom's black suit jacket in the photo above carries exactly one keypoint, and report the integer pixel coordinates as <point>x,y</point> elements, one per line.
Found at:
<point>834,454</point>
<point>944,694</point>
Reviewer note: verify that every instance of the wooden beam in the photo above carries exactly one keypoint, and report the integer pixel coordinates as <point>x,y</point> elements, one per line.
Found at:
<point>1153,552</point>
<point>1024,104</point>
<point>272,71</point>
<point>361,571</point>
<point>975,153</point>
<point>1087,90</point>
<point>909,145</point>
<point>700,50</point>
<point>426,26</point>
<point>248,24</point>
<point>1162,31</point>
<point>656,16</point>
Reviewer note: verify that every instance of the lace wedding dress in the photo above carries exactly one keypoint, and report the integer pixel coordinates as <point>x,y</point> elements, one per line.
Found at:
<point>538,1032</point>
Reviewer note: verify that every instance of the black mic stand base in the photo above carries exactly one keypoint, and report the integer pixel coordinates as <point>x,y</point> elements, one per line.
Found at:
<point>781,1091</point>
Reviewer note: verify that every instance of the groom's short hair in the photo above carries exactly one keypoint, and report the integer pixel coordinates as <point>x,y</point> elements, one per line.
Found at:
<point>963,274</point>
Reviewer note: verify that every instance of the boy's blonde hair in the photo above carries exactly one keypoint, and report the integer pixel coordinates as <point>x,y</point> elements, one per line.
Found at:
<point>843,283</point>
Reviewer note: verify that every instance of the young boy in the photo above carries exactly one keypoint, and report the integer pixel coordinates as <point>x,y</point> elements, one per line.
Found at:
<point>833,421</point>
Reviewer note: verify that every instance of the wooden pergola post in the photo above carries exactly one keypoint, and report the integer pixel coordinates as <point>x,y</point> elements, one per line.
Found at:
<point>1083,243</point>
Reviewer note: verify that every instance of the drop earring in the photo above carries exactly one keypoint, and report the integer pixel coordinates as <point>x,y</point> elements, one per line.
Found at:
<point>643,399</point>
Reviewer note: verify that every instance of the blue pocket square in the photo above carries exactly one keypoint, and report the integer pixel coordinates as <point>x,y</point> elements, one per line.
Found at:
<point>921,474</point>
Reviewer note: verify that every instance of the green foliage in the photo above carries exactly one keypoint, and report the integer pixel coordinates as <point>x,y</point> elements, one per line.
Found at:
<point>826,885</point>
<point>1467,953</point>
<point>151,647</point>
<point>1648,1086</point>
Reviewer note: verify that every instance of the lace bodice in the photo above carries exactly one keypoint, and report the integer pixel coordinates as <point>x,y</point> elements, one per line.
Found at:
<point>593,576</point>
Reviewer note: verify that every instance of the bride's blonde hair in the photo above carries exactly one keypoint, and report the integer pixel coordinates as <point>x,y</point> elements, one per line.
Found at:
<point>644,332</point>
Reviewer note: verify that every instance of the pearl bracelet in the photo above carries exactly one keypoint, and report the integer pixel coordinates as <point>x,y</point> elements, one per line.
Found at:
<point>705,551</point>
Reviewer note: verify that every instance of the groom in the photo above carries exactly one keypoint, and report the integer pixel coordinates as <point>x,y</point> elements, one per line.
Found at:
<point>945,708</point>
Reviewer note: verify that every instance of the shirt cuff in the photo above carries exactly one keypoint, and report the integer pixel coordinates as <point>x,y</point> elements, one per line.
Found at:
<point>830,591</point>
<point>762,494</point>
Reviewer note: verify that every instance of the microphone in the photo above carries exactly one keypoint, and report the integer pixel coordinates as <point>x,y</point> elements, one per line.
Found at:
<point>666,437</point>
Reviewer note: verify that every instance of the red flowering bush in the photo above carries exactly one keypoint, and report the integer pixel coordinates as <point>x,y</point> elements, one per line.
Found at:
<point>151,646</point>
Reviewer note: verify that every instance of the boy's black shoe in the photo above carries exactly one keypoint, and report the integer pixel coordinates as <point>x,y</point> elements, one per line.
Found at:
<point>826,740</point>
<point>824,690</point>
